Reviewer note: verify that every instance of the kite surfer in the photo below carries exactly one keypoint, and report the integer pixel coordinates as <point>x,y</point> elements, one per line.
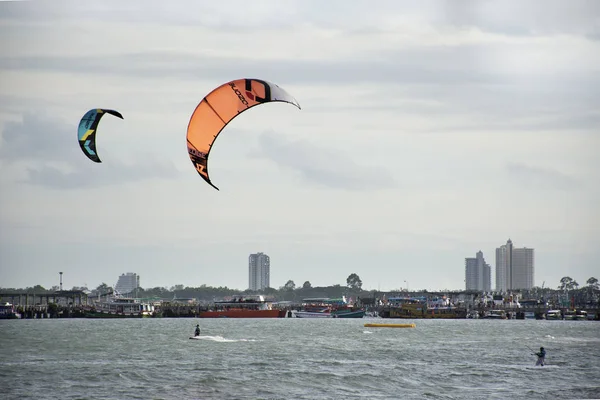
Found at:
<point>541,357</point>
<point>197,331</point>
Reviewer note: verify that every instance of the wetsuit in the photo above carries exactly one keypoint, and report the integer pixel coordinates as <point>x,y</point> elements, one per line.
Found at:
<point>541,357</point>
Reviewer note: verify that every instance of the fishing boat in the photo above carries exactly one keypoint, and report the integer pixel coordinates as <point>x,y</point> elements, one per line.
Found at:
<point>8,311</point>
<point>324,307</point>
<point>348,313</point>
<point>554,315</point>
<point>243,306</point>
<point>575,315</point>
<point>418,307</point>
<point>120,307</point>
<point>495,314</point>
<point>312,314</point>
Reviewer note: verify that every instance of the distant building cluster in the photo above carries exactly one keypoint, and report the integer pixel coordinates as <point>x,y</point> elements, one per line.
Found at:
<point>127,283</point>
<point>259,271</point>
<point>514,269</point>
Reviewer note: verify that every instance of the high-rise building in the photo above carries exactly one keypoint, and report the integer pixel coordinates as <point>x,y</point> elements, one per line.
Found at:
<point>504,266</point>
<point>127,283</point>
<point>259,271</point>
<point>477,273</point>
<point>523,268</point>
<point>514,267</point>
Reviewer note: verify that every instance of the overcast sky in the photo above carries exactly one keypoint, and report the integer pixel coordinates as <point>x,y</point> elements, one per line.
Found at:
<point>428,131</point>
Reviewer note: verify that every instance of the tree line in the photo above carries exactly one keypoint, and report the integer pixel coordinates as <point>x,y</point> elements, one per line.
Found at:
<point>288,292</point>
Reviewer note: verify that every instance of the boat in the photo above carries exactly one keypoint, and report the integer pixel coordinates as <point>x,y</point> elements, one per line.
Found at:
<point>312,314</point>
<point>324,307</point>
<point>528,315</point>
<point>495,314</point>
<point>575,315</point>
<point>372,325</point>
<point>554,315</point>
<point>418,307</point>
<point>348,313</point>
<point>243,306</point>
<point>8,311</point>
<point>120,307</point>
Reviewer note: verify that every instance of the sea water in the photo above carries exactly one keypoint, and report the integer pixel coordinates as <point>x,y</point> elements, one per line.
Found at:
<point>297,359</point>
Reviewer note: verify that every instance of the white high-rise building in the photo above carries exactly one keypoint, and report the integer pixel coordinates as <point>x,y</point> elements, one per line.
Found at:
<point>259,271</point>
<point>523,268</point>
<point>514,267</point>
<point>477,273</point>
<point>127,283</point>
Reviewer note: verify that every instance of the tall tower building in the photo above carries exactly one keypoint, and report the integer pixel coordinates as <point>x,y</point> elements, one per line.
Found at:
<point>127,283</point>
<point>259,271</point>
<point>523,268</point>
<point>514,267</point>
<point>504,266</point>
<point>477,273</point>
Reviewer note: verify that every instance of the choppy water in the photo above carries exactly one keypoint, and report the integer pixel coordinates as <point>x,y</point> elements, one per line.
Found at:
<point>297,359</point>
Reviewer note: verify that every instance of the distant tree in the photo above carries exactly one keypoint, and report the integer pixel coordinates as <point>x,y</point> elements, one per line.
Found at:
<point>103,287</point>
<point>353,281</point>
<point>306,285</point>
<point>176,288</point>
<point>37,289</point>
<point>592,283</point>
<point>567,283</point>
<point>270,291</point>
<point>289,285</point>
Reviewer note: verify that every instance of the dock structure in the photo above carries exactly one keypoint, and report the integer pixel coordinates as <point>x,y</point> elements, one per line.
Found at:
<point>62,297</point>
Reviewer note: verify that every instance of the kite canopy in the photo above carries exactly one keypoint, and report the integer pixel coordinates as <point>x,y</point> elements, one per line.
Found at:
<point>86,133</point>
<point>219,107</point>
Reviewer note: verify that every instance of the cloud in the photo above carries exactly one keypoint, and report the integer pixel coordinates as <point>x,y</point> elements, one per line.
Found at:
<point>542,178</point>
<point>324,167</point>
<point>109,174</point>
<point>511,17</point>
<point>38,136</point>
<point>405,66</point>
<point>47,149</point>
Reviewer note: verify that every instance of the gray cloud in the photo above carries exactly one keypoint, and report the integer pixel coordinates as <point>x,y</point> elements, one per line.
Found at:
<point>510,17</point>
<point>456,78</point>
<point>324,167</point>
<point>105,175</point>
<point>525,18</point>
<point>38,136</point>
<point>43,141</point>
<point>542,178</point>
<point>431,66</point>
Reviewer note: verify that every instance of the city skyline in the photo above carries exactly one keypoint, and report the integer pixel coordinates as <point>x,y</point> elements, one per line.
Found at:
<point>581,281</point>
<point>427,131</point>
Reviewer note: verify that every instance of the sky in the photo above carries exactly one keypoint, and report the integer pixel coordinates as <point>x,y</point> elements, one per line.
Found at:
<point>428,131</point>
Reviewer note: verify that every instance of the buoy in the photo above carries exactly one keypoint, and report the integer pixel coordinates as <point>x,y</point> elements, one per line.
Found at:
<point>391,325</point>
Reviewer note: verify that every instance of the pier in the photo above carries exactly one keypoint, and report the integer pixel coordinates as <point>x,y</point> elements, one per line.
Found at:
<point>60,304</point>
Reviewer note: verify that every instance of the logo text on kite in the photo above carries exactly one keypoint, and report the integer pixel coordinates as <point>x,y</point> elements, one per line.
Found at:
<point>239,94</point>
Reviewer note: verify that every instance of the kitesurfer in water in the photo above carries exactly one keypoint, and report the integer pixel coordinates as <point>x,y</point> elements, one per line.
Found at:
<point>541,357</point>
<point>197,331</point>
